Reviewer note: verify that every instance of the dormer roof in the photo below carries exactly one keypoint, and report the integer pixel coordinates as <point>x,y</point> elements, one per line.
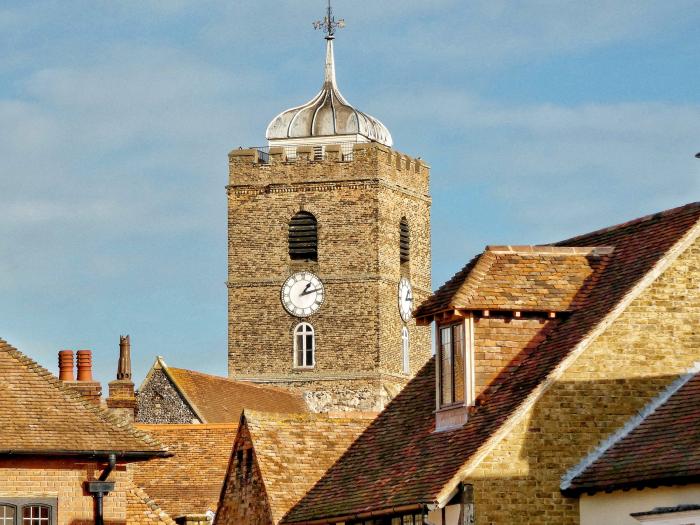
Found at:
<point>522,278</point>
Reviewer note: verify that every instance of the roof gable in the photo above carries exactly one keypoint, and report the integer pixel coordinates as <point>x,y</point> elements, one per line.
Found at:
<point>368,477</point>
<point>659,446</point>
<point>216,399</point>
<point>294,451</point>
<point>42,416</point>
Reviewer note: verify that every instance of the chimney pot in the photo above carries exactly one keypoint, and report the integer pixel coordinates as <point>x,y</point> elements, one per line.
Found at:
<point>65,365</point>
<point>124,367</point>
<point>84,365</point>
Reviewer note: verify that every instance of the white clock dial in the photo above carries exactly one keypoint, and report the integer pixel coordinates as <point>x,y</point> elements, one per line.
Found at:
<point>405,299</point>
<point>302,294</point>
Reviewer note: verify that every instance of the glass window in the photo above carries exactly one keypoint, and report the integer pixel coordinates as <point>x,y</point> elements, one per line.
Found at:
<point>452,366</point>
<point>304,345</point>
<point>7,514</point>
<point>35,515</point>
<point>406,351</point>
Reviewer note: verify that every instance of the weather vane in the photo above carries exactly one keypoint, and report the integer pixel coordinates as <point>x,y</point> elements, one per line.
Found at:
<point>329,24</point>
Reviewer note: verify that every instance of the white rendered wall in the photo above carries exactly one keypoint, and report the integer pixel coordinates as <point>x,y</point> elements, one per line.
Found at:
<point>615,508</point>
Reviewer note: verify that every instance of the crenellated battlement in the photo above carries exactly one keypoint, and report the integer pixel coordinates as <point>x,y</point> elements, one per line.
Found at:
<point>311,163</point>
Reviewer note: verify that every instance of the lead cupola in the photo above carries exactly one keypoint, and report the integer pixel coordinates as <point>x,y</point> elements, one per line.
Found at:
<point>327,118</point>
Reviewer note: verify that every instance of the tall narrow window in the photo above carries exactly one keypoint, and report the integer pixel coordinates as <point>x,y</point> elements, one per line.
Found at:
<point>303,237</point>
<point>7,515</point>
<point>452,365</point>
<point>304,345</point>
<point>404,241</point>
<point>406,351</point>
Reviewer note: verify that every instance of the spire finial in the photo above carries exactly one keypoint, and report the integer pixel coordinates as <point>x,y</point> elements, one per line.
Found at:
<point>329,24</point>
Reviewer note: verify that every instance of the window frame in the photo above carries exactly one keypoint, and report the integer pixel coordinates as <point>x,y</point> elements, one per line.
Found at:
<point>406,350</point>
<point>305,351</point>
<point>20,503</point>
<point>467,326</point>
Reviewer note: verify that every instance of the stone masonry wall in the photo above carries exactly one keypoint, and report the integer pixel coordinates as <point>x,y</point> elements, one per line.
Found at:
<point>244,500</point>
<point>63,479</point>
<point>645,349</point>
<point>159,402</point>
<point>358,205</point>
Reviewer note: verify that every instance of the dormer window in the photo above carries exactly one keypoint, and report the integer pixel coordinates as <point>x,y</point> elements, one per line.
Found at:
<point>303,237</point>
<point>451,359</point>
<point>455,372</point>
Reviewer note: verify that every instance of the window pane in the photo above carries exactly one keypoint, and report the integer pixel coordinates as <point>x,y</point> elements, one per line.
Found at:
<point>7,515</point>
<point>458,348</point>
<point>446,393</point>
<point>35,515</point>
<point>309,358</point>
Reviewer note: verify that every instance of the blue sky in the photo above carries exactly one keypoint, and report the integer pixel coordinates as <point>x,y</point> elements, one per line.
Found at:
<point>540,120</point>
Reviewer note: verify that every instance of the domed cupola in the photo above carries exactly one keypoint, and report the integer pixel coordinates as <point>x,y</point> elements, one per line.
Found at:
<point>327,118</point>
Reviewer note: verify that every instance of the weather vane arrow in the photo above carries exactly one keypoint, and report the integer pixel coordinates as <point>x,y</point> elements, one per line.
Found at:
<point>329,24</point>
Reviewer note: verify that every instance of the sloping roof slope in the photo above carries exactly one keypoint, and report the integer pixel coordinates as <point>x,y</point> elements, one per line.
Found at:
<point>294,451</point>
<point>142,510</point>
<point>189,482</point>
<point>400,461</point>
<point>42,416</point>
<point>529,278</point>
<point>663,449</point>
<point>221,400</point>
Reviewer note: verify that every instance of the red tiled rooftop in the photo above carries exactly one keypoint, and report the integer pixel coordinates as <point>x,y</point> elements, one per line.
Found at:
<point>399,460</point>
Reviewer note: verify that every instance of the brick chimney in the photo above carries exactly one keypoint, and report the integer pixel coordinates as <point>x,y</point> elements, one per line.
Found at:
<point>122,399</point>
<point>91,390</point>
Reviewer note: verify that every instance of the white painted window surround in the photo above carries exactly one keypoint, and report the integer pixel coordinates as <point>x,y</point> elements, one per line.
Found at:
<point>304,346</point>
<point>406,348</point>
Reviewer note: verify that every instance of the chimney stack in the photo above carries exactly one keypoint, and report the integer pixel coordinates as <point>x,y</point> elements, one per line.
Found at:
<point>84,384</point>
<point>122,398</point>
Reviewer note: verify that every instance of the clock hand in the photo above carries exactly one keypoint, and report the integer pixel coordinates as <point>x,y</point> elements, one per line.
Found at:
<point>307,291</point>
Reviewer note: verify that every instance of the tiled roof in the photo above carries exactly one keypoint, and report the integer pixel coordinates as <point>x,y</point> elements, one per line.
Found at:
<point>221,400</point>
<point>189,482</point>
<point>662,449</point>
<point>142,510</point>
<point>42,416</point>
<point>400,461</point>
<point>294,451</point>
<point>528,278</point>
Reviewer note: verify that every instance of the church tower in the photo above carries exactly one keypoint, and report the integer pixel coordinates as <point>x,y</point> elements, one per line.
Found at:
<point>328,252</point>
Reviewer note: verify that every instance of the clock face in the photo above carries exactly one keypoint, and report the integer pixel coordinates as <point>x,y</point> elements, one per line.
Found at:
<point>302,294</point>
<point>405,299</point>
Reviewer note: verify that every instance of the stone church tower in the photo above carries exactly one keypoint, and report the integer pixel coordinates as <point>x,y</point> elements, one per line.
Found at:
<point>328,252</point>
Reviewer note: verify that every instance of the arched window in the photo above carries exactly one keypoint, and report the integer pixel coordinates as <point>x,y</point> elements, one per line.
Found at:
<point>303,237</point>
<point>304,346</point>
<point>7,514</point>
<point>405,346</point>
<point>405,241</point>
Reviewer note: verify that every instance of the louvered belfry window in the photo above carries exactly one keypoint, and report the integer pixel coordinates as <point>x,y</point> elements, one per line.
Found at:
<point>405,242</point>
<point>303,237</point>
